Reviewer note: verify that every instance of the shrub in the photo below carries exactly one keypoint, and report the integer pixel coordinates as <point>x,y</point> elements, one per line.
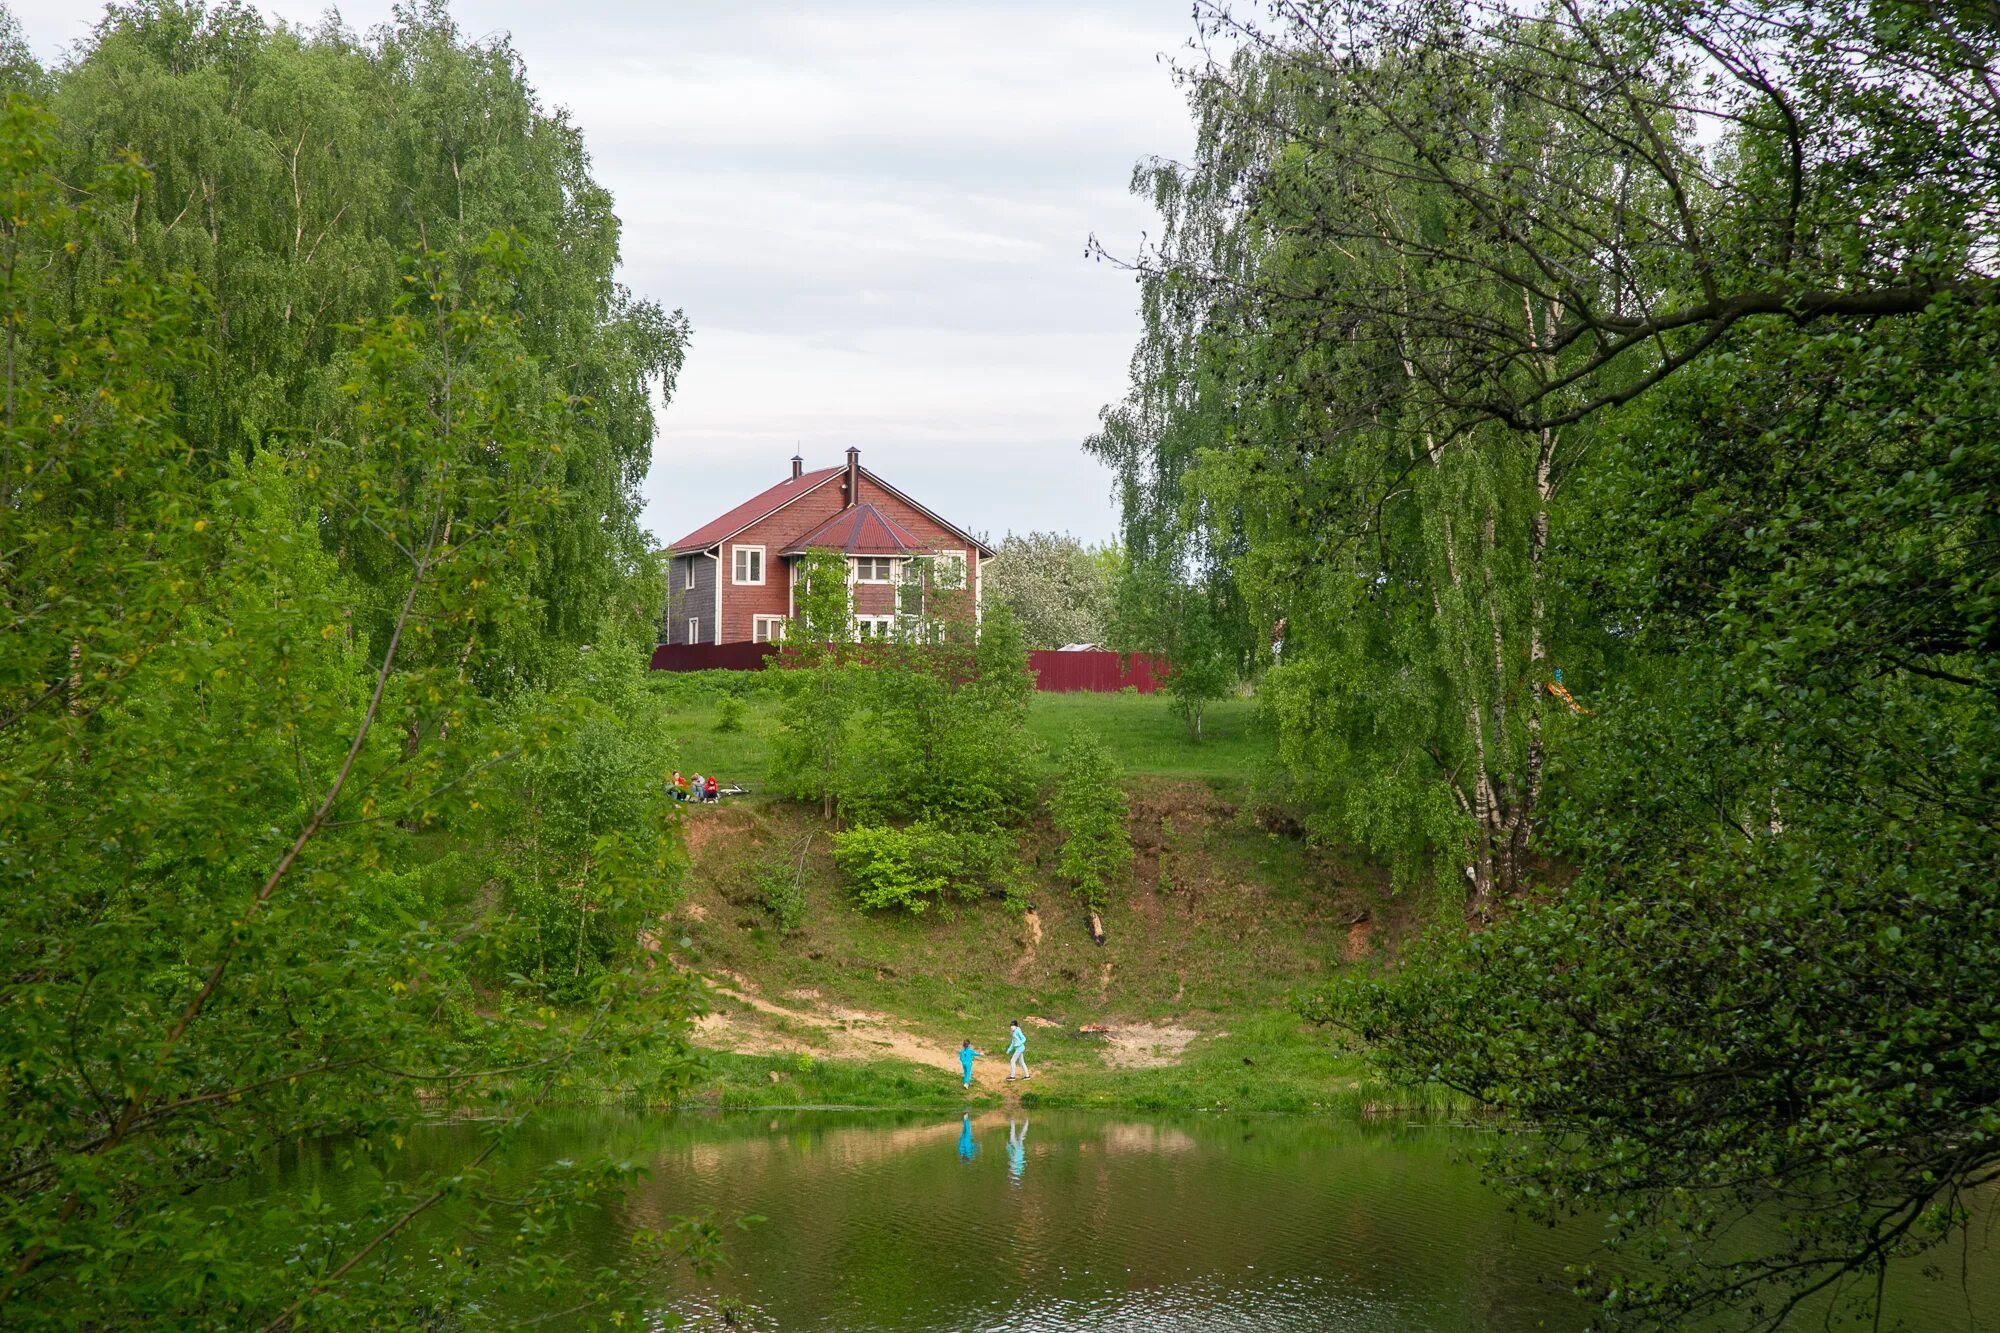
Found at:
<point>913,868</point>
<point>729,712</point>
<point>782,888</point>
<point>1089,810</point>
<point>881,862</point>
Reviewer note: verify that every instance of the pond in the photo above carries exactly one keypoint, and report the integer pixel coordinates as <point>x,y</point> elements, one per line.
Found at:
<point>1103,1222</point>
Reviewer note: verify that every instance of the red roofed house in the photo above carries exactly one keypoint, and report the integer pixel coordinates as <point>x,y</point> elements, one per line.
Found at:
<point>731,579</point>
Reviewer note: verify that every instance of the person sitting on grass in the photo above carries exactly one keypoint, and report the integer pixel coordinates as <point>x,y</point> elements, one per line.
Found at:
<point>965,1055</point>
<point>694,788</point>
<point>713,790</point>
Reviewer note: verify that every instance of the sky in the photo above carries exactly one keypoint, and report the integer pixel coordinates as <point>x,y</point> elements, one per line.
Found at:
<point>875,216</point>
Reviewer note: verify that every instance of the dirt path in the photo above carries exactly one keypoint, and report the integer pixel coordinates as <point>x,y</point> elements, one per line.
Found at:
<point>855,1034</point>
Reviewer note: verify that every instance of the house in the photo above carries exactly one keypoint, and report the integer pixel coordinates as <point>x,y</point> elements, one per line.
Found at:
<point>731,579</point>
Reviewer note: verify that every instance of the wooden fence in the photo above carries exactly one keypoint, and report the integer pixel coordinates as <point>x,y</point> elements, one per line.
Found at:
<point>712,656</point>
<point>1095,672</point>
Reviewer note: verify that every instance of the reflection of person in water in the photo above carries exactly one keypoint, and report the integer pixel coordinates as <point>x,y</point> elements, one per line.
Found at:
<point>1017,1149</point>
<point>967,1149</point>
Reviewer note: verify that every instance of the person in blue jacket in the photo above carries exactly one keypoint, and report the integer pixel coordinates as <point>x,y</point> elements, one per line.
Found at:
<point>965,1055</point>
<point>1017,1051</point>
<point>967,1149</point>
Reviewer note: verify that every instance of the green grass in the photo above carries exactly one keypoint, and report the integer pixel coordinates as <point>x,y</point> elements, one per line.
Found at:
<point>1143,732</point>
<point>745,1082</point>
<point>1268,1059</point>
<point>1146,736</point>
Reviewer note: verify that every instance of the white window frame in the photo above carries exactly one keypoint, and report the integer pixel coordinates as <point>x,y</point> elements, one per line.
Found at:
<point>941,564</point>
<point>690,574</point>
<point>737,561</point>
<point>767,629</point>
<point>694,629</point>
<point>889,561</point>
<point>884,627</point>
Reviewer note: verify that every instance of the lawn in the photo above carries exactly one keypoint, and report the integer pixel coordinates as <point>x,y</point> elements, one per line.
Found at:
<point>1143,732</point>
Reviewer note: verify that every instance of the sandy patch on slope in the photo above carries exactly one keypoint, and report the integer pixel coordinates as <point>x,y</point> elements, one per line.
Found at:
<point>1146,1045</point>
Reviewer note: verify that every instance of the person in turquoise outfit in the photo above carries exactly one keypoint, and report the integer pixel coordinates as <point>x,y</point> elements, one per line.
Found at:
<point>965,1056</point>
<point>967,1149</point>
<point>1017,1051</point>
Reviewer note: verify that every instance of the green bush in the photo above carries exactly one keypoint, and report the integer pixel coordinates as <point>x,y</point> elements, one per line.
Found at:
<point>729,713</point>
<point>782,888</point>
<point>913,868</point>
<point>1089,810</point>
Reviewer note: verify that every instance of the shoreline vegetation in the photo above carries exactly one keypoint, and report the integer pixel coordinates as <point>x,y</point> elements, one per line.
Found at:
<point>1191,1004</point>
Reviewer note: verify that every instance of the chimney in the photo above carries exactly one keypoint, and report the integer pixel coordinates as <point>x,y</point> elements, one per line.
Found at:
<point>853,476</point>
<point>798,467</point>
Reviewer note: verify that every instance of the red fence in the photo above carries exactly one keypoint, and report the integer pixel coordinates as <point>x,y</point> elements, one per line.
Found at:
<point>1094,672</point>
<point>712,656</point>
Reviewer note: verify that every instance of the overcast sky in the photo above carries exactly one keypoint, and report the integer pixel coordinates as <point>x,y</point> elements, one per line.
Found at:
<point>874,215</point>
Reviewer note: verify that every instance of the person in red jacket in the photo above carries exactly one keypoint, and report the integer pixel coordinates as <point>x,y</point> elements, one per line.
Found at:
<point>713,791</point>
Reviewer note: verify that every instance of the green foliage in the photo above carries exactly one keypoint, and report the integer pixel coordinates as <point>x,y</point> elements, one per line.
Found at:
<point>1198,629</point>
<point>247,767</point>
<point>290,170</point>
<point>783,892</point>
<point>1089,810</point>
<point>821,685</point>
<point>947,726</point>
<point>1751,515</point>
<point>587,851</point>
<point>1057,588</point>
<point>729,711</point>
<point>923,865</point>
<point>889,867</point>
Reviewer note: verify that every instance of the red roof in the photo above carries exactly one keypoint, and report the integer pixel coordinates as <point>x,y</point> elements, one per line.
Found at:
<point>861,530</point>
<point>741,517</point>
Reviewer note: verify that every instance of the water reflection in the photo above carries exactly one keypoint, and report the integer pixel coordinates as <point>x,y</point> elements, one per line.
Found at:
<point>888,1223</point>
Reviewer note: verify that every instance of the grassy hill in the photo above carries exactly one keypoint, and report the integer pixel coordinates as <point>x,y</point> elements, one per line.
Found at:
<point>1228,916</point>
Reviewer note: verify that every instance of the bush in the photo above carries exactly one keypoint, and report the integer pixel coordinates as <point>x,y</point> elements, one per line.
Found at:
<point>729,712</point>
<point>1089,810</point>
<point>782,888</point>
<point>913,868</point>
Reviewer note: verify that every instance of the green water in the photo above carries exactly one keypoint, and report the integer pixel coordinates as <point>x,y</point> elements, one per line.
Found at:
<point>1071,1221</point>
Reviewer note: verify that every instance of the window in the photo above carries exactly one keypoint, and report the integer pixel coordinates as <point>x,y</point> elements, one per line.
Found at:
<point>767,629</point>
<point>749,564</point>
<point>874,569</point>
<point>690,573</point>
<point>950,569</point>
<point>694,629</point>
<point>870,628</point>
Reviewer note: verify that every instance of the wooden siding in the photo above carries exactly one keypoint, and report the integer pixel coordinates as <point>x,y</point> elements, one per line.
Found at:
<point>685,603</point>
<point>741,603</point>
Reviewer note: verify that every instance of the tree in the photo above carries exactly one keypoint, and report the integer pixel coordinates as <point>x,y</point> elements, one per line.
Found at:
<point>1057,588</point>
<point>820,681</point>
<point>1198,630</point>
<point>289,170</point>
<point>1652,341</point>
<point>222,759</point>
<point>947,720</point>
<point>1089,810</point>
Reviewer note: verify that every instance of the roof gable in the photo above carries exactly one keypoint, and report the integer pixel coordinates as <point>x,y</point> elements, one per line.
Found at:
<point>858,530</point>
<point>759,506</point>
